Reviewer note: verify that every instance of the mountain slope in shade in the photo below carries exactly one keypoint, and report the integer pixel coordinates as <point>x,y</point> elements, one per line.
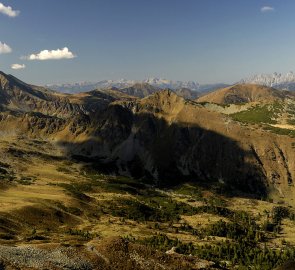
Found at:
<point>165,137</point>
<point>18,96</point>
<point>244,93</point>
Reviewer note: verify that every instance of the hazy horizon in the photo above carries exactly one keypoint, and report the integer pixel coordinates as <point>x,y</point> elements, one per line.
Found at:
<point>205,41</point>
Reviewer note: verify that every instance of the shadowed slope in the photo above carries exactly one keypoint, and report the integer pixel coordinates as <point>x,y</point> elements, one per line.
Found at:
<point>165,138</point>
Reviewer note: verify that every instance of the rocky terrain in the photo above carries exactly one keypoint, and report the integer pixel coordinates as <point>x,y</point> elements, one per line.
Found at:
<point>163,173</point>
<point>97,255</point>
<point>161,136</point>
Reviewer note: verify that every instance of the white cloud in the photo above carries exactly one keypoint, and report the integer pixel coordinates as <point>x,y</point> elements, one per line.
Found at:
<point>52,55</point>
<point>4,48</point>
<point>267,9</point>
<point>7,10</point>
<point>18,66</point>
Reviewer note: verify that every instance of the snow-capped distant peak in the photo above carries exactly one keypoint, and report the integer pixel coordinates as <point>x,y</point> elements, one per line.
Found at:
<point>164,83</point>
<point>121,83</point>
<point>276,80</point>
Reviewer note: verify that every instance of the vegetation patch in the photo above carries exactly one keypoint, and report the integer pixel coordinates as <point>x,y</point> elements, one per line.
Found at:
<point>26,180</point>
<point>139,211</point>
<point>259,114</point>
<point>85,235</point>
<point>280,131</point>
<point>243,251</point>
<point>77,190</point>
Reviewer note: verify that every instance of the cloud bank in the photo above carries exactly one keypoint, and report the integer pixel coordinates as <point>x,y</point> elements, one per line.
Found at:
<point>18,66</point>
<point>52,55</point>
<point>267,9</point>
<point>7,10</point>
<point>4,48</point>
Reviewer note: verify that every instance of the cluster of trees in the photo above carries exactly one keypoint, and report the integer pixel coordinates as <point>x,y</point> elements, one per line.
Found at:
<point>245,243</point>
<point>241,253</point>
<point>274,219</point>
<point>236,231</point>
<point>154,209</point>
<point>164,243</point>
<point>83,234</point>
<point>141,212</point>
<point>161,209</point>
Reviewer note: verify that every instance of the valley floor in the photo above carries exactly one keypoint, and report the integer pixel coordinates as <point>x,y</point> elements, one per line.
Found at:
<point>58,213</point>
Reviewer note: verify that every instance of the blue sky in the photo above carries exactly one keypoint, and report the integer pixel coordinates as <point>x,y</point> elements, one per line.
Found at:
<point>202,40</point>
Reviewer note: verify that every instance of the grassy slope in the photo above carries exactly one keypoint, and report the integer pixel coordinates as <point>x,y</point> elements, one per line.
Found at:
<point>276,117</point>
<point>52,200</point>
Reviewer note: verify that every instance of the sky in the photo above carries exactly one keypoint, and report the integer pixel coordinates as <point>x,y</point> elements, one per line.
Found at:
<point>208,41</point>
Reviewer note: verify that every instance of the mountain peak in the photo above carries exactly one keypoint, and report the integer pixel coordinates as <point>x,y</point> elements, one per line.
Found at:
<point>165,96</point>
<point>2,73</point>
<point>4,79</point>
<point>167,92</point>
<point>5,76</point>
<point>243,93</point>
<point>277,80</point>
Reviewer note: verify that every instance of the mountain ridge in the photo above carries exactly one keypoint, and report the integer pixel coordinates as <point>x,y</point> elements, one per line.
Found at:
<point>244,93</point>
<point>124,83</point>
<point>277,80</point>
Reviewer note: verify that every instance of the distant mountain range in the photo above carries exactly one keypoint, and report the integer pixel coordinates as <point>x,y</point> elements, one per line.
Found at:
<point>275,80</point>
<point>123,83</point>
<point>142,90</point>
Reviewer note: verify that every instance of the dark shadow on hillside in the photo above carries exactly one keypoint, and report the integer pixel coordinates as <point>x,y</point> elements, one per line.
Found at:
<point>148,147</point>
